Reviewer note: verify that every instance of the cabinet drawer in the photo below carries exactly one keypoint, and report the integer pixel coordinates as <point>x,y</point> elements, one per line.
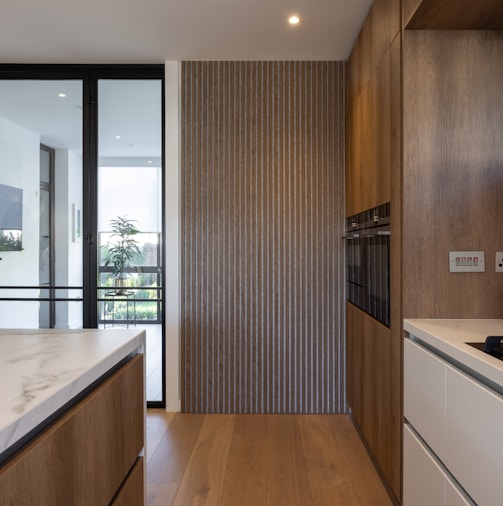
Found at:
<point>424,395</point>
<point>419,469</point>
<point>425,482</point>
<point>474,447</point>
<point>83,457</point>
<point>132,492</point>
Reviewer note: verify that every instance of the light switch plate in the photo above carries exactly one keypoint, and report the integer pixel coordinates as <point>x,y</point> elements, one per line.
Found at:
<point>466,261</point>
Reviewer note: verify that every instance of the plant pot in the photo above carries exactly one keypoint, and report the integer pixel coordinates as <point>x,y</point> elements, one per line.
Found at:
<point>120,285</point>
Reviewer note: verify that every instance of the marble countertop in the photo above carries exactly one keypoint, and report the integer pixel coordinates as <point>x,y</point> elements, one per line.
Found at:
<point>449,337</point>
<point>42,370</point>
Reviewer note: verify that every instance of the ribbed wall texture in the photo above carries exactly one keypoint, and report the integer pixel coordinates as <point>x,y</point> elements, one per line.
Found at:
<point>262,200</point>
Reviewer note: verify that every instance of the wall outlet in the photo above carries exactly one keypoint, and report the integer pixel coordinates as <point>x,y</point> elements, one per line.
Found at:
<point>466,261</point>
<point>498,262</point>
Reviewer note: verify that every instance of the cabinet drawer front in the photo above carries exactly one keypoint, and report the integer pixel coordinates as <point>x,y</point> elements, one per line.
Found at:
<point>132,492</point>
<point>423,479</point>
<point>83,457</point>
<point>473,442</point>
<point>424,395</point>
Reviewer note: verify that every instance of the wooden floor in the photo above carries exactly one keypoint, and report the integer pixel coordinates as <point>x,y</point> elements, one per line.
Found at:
<point>258,460</point>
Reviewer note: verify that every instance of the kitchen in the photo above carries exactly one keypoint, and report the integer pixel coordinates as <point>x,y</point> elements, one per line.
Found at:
<point>423,133</point>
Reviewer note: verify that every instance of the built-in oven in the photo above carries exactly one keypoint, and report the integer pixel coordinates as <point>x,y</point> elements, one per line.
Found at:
<point>367,262</point>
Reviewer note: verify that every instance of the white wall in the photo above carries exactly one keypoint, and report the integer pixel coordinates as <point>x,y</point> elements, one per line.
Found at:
<point>172,261</point>
<point>68,254</point>
<point>20,167</point>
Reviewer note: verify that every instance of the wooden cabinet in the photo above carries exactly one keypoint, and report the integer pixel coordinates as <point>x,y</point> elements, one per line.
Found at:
<point>373,177</point>
<point>369,142</point>
<point>132,492</point>
<point>369,113</point>
<point>453,14</point>
<point>85,456</point>
<point>369,380</point>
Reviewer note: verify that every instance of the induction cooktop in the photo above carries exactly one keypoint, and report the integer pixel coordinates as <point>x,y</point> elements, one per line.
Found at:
<point>492,345</point>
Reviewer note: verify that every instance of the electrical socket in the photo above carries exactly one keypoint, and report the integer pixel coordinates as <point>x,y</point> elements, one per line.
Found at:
<point>498,261</point>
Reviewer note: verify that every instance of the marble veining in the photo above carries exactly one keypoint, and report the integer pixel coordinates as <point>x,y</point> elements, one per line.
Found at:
<point>42,370</point>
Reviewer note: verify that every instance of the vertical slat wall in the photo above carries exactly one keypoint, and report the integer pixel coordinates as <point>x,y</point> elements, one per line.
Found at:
<point>262,199</point>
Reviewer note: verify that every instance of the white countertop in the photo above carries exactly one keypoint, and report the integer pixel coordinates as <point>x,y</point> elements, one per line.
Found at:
<point>449,337</point>
<point>42,370</point>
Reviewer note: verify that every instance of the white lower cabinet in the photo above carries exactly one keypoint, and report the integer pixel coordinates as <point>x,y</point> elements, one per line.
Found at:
<point>425,482</point>
<point>453,450</point>
<point>474,447</point>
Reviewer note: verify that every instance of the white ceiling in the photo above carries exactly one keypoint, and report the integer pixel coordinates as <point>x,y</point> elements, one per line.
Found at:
<point>153,31</point>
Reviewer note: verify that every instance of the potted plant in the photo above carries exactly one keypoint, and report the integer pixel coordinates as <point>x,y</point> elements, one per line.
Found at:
<point>122,250</point>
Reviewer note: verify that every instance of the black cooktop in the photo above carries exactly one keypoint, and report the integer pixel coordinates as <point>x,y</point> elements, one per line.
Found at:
<point>492,345</point>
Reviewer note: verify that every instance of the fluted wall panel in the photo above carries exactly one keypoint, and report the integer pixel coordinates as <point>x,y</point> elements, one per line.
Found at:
<point>262,199</point>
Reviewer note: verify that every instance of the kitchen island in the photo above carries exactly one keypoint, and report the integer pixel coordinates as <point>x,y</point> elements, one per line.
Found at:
<point>453,413</point>
<point>72,416</point>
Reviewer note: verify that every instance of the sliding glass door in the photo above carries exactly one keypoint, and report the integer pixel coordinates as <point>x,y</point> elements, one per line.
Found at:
<point>129,238</point>
<point>41,146</point>
<point>81,152</point>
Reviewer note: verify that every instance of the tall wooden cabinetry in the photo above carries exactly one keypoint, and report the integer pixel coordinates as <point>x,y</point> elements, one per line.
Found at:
<point>424,128</point>
<point>373,162</point>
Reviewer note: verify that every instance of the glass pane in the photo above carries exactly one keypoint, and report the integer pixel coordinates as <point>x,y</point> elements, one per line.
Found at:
<point>36,210</point>
<point>129,214</point>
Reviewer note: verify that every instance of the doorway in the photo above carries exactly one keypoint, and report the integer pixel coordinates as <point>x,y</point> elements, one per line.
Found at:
<point>56,277</point>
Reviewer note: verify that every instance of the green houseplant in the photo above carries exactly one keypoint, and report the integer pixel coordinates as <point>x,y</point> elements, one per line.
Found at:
<point>122,250</point>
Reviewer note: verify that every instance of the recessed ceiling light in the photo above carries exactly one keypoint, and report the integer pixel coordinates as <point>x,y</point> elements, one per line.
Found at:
<point>62,95</point>
<point>294,20</point>
<point>150,161</point>
<point>117,136</point>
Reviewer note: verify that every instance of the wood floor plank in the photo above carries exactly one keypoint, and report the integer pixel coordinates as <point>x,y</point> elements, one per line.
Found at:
<point>158,421</point>
<point>339,468</point>
<point>203,481</point>
<point>245,481</point>
<point>168,464</point>
<point>287,476</point>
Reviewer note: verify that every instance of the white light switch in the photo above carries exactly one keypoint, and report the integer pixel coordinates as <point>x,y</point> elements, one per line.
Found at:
<point>466,261</point>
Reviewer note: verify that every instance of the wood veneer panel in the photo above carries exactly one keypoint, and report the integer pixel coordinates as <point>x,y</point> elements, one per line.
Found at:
<point>396,367</point>
<point>132,492</point>
<point>453,15</point>
<point>453,177</point>
<point>368,130</point>
<point>83,457</point>
<point>262,186</point>
<point>370,375</point>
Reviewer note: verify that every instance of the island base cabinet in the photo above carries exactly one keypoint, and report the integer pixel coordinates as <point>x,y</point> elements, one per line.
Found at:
<point>88,455</point>
<point>132,492</point>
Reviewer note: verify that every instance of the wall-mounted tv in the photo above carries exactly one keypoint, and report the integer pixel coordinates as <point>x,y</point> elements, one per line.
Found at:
<point>11,218</point>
